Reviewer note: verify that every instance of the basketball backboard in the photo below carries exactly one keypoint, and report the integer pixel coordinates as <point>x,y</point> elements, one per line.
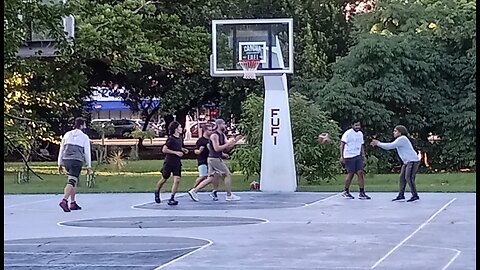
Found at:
<point>268,40</point>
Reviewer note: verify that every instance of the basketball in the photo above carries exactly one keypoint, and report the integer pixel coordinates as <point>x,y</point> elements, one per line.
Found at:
<point>254,185</point>
<point>324,138</point>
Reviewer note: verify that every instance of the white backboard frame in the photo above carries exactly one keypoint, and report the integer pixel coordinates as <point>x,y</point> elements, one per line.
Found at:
<point>214,72</point>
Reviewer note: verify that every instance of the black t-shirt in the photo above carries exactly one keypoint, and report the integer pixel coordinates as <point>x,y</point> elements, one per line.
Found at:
<point>175,144</point>
<point>202,157</point>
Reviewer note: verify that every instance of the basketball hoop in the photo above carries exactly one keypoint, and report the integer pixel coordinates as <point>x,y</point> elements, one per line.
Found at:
<point>249,68</point>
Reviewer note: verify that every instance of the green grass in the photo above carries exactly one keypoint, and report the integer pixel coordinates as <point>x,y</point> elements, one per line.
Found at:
<point>141,176</point>
<point>140,166</point>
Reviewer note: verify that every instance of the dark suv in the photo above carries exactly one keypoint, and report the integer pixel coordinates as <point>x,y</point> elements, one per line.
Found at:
<point>122,128</point>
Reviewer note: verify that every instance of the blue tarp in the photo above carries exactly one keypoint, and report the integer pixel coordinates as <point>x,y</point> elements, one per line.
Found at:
<point>114,105</point>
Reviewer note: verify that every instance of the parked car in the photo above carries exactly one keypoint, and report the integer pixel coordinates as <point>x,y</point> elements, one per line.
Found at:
<point>122,128</point>
<point>194,127</point>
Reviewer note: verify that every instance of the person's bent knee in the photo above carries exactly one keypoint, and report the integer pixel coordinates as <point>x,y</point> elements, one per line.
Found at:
<point>72,181</point>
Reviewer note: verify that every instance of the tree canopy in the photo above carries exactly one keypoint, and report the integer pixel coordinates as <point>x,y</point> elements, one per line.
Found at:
<point>387,62</point>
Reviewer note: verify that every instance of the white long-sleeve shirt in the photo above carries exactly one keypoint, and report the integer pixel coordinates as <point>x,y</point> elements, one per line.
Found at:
<point>75,145</point>
<point>404,148</point>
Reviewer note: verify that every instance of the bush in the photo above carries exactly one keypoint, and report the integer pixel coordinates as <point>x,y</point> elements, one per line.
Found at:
<point>314,162</point>
<point>371,165</point>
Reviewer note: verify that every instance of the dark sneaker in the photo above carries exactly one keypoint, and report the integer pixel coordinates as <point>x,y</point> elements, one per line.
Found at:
<point>363,196</point>
<point>157,197</point>
<point>414,198</point>
<point>214,196</point>
<point>172,202</point>
<point>347,195</point>
<point>398,198</point>
<point>64,205</point>
<point>75,206</point>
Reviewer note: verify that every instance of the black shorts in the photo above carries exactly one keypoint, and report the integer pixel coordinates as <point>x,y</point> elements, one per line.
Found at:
<point>73,168</point>
<point>354,164</point>
<point>169,169</point>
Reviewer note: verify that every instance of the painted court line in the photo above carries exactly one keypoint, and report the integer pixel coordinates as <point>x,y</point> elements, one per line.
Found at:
<point>101,253</point>
<point>451,260</point>
<point>27,203</point>
<point>185,255</point>
<point>457,252</point>
<point>322,200</point>
<point>46,266</point>
<point>412,234</point>
<point>79,244</point>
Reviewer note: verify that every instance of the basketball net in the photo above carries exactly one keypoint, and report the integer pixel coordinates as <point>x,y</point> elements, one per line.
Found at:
<point>249,68</point>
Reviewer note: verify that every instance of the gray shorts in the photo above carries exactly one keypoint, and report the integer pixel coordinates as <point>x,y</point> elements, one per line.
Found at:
<point>217,166</point>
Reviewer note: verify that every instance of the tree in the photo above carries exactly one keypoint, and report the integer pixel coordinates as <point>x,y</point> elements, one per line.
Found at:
<point>406,68</point>
<point>40,95</point>
<point>314,162</point>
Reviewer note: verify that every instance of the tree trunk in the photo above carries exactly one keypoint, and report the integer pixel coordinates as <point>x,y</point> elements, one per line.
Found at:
<point>182,116</point>
<point>148,117</point>
<point>168,119</point>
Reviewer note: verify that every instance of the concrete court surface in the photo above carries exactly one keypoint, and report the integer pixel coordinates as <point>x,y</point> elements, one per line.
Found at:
<point>262,231</point>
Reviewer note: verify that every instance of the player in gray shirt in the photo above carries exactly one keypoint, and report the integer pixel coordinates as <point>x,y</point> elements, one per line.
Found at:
<point>409,158</point>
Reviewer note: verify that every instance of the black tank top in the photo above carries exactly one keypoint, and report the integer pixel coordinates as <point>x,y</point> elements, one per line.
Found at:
<point>221,141</point>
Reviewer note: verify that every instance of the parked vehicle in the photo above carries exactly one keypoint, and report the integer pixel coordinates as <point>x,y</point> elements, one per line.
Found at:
<point>194,127</point>
<point>122,128</point>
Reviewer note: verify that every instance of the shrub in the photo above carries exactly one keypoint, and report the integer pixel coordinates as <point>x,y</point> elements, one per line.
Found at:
<point>314,162</point>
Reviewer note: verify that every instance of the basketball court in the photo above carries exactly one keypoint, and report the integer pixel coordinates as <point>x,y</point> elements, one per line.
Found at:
<point>274,229</point>
<point>262,231</point>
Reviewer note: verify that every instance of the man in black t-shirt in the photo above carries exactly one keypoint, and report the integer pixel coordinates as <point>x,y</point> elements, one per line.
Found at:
<point>201,149</point>
<point>173,150</point>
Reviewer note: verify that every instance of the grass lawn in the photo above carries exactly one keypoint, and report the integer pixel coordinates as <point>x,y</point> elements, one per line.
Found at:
<point>141,176</point>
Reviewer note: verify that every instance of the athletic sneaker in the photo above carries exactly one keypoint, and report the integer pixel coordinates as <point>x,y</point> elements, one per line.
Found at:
<point>398,198</point>
<point>172,202</point>
<point>363,196</point>
<point>347,195</point>
<point>232,197</point>
<point>64,205</point>
<point>414,198</point>
<point>193,195</point>
<point>157,197</point>
<point>213,195</point>
<point>75,206</point>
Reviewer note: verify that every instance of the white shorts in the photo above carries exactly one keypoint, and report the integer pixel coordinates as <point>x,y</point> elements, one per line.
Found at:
<point>203,170</point>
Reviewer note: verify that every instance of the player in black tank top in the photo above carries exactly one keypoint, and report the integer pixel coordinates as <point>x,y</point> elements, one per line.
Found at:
<point>217,146</point>
<point>221,141</point>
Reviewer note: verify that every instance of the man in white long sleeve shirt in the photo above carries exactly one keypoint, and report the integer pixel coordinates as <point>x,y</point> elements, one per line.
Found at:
<point>74,149</point>
<point>409,158</point>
